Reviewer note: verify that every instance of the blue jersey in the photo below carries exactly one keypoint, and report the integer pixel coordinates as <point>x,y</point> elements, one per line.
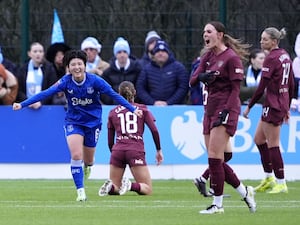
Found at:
<point>84,106</point>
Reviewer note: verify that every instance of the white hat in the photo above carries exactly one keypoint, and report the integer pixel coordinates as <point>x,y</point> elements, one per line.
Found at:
<point>91,42</point>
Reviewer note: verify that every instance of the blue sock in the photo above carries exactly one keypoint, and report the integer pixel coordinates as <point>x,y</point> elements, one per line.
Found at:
<point>77,173</point>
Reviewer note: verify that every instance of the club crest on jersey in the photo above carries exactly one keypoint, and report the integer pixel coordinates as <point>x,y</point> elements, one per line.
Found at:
<point>90,90</point>
<point>220,63</point>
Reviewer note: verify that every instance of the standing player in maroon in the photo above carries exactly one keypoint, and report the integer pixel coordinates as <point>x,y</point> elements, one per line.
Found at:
<point>129,147</point>
<point>222,71</point>
<point>277,83</point>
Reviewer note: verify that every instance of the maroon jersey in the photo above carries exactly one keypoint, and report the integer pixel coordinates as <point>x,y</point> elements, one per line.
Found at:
<point>223,92</point>
<point>277,81</point>
<point>127,128</point>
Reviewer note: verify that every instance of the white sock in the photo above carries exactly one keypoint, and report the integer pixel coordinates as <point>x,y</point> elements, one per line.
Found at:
<point>218,201</point>
<point>241,189</point>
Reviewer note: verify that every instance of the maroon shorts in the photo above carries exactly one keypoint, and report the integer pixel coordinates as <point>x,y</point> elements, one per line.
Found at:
<point>273,116</point>
<point>230,126</point>
<point>132,158</point>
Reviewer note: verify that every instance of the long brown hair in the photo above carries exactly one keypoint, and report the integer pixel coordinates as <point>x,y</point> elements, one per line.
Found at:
<point>240,48</point>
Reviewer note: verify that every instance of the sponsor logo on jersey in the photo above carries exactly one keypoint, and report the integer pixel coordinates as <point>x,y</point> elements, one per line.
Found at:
<point>238,70</point>
<point>70,91</point>
<point>265,69</point>
<point>83,102</point>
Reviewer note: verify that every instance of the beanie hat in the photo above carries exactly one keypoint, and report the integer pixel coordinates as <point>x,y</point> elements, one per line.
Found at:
<point>151,36</point>
<point>161,46</point>
<point>121,45</point>
<point>91,42</point>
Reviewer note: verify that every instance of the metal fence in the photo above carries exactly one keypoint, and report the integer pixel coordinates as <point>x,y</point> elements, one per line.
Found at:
<point>182,28</point>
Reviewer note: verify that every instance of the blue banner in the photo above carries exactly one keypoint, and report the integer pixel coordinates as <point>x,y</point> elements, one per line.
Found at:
<point>37,136</point>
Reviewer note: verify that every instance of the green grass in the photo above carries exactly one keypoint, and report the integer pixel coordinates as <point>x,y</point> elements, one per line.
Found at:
<point>52,202</point>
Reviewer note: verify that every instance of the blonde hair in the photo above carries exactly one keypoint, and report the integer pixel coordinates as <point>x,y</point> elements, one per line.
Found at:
<point>275,34</point>
<point>240,48</point>
<point>127,90</point>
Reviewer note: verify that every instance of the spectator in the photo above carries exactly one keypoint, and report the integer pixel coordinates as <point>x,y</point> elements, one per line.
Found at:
<point>150,41</point>
<point>122,68</point>
<point>165,80</point>
<point>253,75</point>
<point>35,75</point>
<point>55,54</point>
<point>296,68</point>
<point>9,65</point>
<point>196,93</point>
<point>8,86</point>
<point>92,48</point>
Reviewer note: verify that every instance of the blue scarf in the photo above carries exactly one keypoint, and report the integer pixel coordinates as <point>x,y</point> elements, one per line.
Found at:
<point>250,78</point>
<point>34,80</point>
<point>91,65</point>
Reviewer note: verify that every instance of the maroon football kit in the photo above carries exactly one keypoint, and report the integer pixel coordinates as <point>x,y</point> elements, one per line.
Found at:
<point>125,135</point>
<point>223,91</point>
<point>277,84</point>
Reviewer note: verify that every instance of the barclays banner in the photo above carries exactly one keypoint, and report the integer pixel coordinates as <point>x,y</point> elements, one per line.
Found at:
<point>37,136</point>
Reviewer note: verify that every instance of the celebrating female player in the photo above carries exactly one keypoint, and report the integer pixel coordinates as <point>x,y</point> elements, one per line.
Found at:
<point>83,117</point>
<point>221,70</point>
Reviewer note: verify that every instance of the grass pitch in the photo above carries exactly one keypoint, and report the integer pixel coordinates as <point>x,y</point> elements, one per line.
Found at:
<point>174,202</point>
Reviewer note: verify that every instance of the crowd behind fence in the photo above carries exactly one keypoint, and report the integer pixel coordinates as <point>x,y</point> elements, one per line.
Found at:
<point>181,29</point>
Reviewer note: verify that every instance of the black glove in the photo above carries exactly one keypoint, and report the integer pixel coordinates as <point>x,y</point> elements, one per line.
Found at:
<point>222,118</point>
<point>207,78</point>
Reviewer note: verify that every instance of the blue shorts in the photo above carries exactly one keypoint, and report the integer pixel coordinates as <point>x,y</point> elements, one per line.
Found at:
<point>91,135</point>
